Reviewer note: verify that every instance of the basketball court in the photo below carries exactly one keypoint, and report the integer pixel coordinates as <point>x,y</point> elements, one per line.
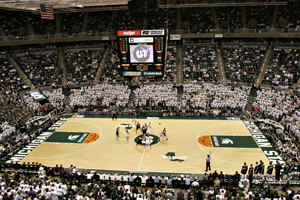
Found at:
<point>90,143</point>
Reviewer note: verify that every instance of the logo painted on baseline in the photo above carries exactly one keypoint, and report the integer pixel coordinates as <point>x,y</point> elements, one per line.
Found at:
<point>73,137</point>
<point>172,157</point>
<point>226,141</point>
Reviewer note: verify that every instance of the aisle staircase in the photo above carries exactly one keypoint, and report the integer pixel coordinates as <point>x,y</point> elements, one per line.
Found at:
<point>68,108</point>
<point>19,70</point>
<point>62,64</point>
<point>220,61</point>
<point>131,99</point>
<point>275,17</point>
<point>215,18</point>
<point>265,64</point>
<point>179,72</point>
<point>244,17</point>
<point>102,65</point>
<point>251,98</point>
<point>85,22</point>
<point>57,23</point>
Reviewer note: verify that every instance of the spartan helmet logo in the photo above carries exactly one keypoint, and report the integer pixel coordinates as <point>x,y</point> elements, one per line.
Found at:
<point>226,141</point>
<point>73,137</point>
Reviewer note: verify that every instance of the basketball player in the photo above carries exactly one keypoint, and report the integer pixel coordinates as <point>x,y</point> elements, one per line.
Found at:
<point>148,141</point>
<point>140,141</point>
<point>163,135</point>
<point>148,128</point>
<point>244,171</point>
<point>134,121</point>
<point>127,134</point>
<point>118,133</point>
<point>137,127</point>
<point>270,171</point>
<point>256,170</point>
<point>144,130</point>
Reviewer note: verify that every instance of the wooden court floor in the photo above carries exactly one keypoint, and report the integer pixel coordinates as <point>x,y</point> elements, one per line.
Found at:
<point>182,153</point>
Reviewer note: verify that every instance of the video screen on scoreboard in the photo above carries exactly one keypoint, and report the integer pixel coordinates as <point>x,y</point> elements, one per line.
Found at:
<point>141,53</point>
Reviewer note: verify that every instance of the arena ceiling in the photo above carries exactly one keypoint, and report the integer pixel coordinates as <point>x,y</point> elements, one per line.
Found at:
<point>34,5</point>
<point>85,5</point>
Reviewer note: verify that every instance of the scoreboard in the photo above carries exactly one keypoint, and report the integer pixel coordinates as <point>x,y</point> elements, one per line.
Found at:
<point>142,52</point>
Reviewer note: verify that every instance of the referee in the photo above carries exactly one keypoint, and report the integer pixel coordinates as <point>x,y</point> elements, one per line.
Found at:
<point>208,163</point>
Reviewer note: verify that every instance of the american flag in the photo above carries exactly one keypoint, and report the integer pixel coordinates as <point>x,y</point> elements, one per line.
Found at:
<point>47,11</point>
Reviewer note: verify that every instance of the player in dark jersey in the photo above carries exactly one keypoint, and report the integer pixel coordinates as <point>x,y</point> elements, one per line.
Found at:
<point>163,135</point>
<point>250,174</point>
<point>270,171</point>
<point>256,169</point>
<point>141,141</point>
<point>244,171</point>
<point>144,130</point>
<point>118,133</point>
<point>137,127</point>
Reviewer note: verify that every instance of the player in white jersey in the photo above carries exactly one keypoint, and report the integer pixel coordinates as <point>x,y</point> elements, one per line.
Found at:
<point>148,141</point>
<point>149,128</point>
<point>134,121</point>
<point>127,134</point>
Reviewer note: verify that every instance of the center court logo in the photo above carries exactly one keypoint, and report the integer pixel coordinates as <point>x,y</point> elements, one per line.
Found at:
<point>127,126</point>
<point>153,139</point>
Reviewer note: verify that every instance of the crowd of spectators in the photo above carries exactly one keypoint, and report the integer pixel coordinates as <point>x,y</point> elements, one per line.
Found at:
<point>155,96</point>
<point>288,17</point>
<point>42,27</point>
<point>285,68</point>
<point>163,18</point>
<point>229,17</point>
<point>200,64</point>
<point>171,65</point>
<point>242,64</point>
<point>97,21</point>
<point>283,107</point>
<point>10,82</point>
<point>259,17</point>
<point>197,20</point>
<point>72,22</point>
<point>194,20</point>
<point>217,99</point>
<point>42,69</point>
<point>82,65</point>
<point>112,69</point>
<point>125,20</point>
<point>36,181</point>
<point>101,96</point>
<point>55,97</point>
<point>13,23</point>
